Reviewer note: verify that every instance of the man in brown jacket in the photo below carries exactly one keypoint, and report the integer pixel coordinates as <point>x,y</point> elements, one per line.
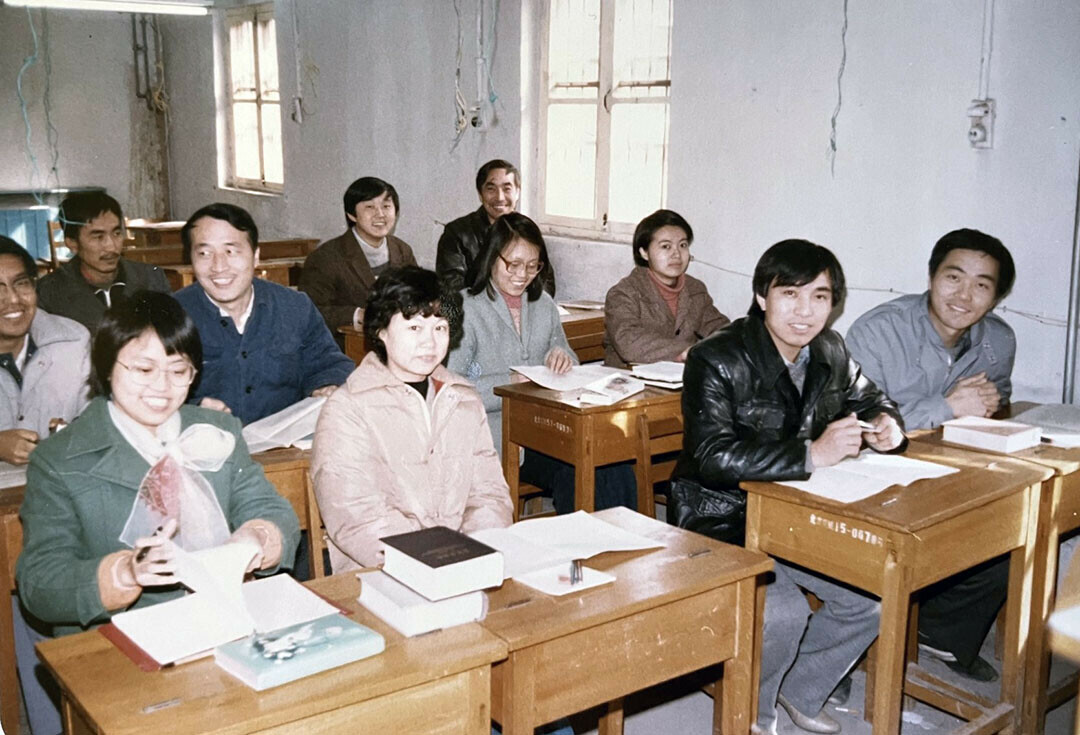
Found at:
<point>340,273</point>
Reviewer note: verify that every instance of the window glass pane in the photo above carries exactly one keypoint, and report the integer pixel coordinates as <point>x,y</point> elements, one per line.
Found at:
<point>574,49</point>
<point>571,161</point>
<point>642,47</point>
<point>246,141</point>
<point>268,70</point>
<point>242,60</point>
<point>273,170</point>
<point>638,160</point>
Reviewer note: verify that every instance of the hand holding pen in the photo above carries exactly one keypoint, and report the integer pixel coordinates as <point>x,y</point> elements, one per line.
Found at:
<point>153,563</point>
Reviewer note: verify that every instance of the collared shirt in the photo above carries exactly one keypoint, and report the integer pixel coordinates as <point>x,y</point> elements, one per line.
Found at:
<point>898,348</point>
<point>243,320</point>
<point>16,364</point>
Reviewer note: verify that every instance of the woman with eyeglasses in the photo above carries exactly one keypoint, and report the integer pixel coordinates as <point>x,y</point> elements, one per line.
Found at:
<point>658,312</point>
<point>137,439</point>
<point>511,320</point>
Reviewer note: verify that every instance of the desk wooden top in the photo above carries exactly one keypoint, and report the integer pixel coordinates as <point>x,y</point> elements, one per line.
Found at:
<point>575,315</point>
<point>532,393</point>
<point>982,479</point>
<point>113,692</point>
<point>644,580</point>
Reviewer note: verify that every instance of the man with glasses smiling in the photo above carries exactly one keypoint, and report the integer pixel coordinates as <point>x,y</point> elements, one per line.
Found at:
<point>45,360</point>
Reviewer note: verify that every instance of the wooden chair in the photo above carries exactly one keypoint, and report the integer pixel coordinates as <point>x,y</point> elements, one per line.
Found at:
<point>56,241</point>
<point>657,438</point>
<point>316,532</point>
<point>10,545</point>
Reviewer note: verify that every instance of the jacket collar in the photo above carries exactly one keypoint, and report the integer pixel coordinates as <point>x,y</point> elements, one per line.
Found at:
<point>766,358</point>
<point>73,270</point>
<point>117,461</point>
<point>357,261</point>
<point>372,374</point>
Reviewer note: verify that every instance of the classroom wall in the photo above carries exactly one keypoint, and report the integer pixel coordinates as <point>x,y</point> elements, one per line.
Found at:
<point>104,135</point>
<point>377,80</point>
<point>753,88</point>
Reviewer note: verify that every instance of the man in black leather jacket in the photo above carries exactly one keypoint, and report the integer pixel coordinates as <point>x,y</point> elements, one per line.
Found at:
<point>498,183</point>
<point>770,397</point>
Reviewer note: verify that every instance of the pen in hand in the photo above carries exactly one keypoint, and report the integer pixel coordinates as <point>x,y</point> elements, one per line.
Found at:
<point>144,550</point>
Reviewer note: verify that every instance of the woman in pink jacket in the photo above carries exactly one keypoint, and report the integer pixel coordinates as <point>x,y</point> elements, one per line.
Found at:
<point>405,443</point>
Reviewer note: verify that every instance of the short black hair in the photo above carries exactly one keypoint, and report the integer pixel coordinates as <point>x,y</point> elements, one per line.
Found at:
<point>496,163</point>
<point>236,216</point>
<point>10,247</point>
<point>502,232</point>
<point>796,263</point>
<point>127,320</point>
<point>965,239</point>
<point>646,228</point>
<point>365,189</point>
<point>79,208</point>
<point>409,290</point>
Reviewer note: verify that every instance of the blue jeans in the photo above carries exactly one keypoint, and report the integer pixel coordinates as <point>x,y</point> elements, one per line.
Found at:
<point>804,660</point>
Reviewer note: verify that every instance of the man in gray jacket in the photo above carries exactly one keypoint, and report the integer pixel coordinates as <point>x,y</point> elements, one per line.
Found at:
<point>940,355</point>
<point>44,360</point>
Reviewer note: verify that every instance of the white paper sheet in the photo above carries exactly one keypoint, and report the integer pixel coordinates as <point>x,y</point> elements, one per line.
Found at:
<point>218,574</point>
<point>578,377</point>
<point>520,556</point>
<point>12,475</point>
<point>584,304</point>
<point>580,535</point>
<point>555,581</point>
<point>665,371</point>
<point>284,428</point>
<point>856,478</point>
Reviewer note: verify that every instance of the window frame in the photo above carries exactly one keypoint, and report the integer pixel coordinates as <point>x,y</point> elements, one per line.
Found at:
<point>253,14</point>
<point>599,227</point>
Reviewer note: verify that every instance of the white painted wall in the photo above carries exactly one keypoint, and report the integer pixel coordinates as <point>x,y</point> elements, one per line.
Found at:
<point>753,88</point>
<point>377,80</point>
<point>103,132</point>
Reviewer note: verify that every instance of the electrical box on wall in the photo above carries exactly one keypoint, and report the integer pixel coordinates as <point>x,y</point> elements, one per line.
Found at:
<point>981,123</point>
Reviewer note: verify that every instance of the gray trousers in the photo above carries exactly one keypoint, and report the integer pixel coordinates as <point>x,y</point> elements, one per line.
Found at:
<point>805,661</point>
<point>41,696</point>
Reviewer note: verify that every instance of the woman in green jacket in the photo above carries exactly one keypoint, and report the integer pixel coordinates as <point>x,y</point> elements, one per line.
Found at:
<point>82,483</point>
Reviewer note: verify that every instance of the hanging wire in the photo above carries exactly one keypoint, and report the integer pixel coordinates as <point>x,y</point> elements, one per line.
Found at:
<point>29,61</point>
<point>839,93</point>
<point>52,135</point>
<point>461,117</point>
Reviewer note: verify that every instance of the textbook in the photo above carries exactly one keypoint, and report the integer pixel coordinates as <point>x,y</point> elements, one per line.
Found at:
<point>292,426</point>
<point>266,660</point>
<point>666,373</point>
<point>439,562</point>
<point>990,434</point>
<point>221,609</point>
<point>409,612</point>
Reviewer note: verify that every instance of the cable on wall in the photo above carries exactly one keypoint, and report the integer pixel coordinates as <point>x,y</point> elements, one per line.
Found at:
<point>52,135</point>
<point>839,93</point>
<point>29,61</point>
<point>461,117</point>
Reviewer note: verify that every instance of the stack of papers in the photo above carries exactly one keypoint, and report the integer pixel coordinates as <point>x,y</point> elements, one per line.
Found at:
<point>868,474</point>
<point>290,427</point>
<point>538,552</point>
<point>584,304</point>
<point>664,374</point>
<point>1060,423</point>
<point>584,385</point>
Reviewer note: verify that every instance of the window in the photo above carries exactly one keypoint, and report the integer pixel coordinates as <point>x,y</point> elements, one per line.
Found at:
<point>604,112</point>
<point>254,101</point>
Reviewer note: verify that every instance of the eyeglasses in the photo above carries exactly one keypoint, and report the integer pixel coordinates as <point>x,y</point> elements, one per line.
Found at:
<point>520,266</point>
<point>180,376</point>
<point>22,287</point>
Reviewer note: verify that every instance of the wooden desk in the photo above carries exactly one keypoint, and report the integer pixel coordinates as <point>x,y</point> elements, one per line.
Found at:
<point>355,348</point>
<point>1059,513</point>
<point>1068,645</point>
<point>586,437</point>
<point>144,233</point>
<point>906,538</point>
<point>437,683</point>
<point>277,270</point>
<point>670,611</point>
<point>585,332</point>
<point>287,471</point>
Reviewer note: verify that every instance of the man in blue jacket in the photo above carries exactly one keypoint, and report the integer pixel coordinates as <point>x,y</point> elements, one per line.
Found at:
<point>265,346</point>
